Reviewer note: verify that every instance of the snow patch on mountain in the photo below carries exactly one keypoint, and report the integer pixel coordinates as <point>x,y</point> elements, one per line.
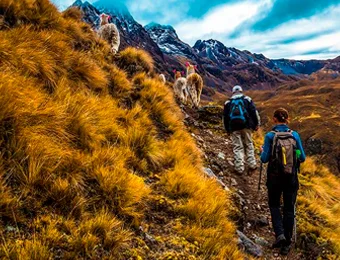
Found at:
<point>167,40</point>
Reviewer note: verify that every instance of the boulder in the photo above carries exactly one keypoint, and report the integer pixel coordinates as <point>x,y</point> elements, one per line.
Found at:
<point>212,175</point>
<point>248,245</point>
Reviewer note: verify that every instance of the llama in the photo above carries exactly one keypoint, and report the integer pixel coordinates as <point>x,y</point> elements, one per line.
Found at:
<point>194,84</point>
<point>180,87</point>
<point>162,78</point>
<point>178,74</point>
<point>109,32</point>
<point>191,69</point>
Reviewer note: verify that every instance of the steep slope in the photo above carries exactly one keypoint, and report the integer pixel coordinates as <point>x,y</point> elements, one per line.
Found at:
<point>95,160</point>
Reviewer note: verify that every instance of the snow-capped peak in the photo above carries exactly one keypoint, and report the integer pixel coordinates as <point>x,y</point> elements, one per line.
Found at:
<point>167,40</point>
<point>158,29</point>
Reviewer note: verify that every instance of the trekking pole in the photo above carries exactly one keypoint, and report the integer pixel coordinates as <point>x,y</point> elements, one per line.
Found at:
<point>295,222</point>
<point>295,235</point>
<point>259,186</point>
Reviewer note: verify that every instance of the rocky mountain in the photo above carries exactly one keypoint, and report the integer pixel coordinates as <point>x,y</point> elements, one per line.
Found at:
<point>221,67</point>
<point>228,57</point>
<point>293,67</point>
<point>168,41</point>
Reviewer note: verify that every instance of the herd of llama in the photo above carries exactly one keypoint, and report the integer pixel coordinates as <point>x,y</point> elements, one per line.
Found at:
<point>187,89</point>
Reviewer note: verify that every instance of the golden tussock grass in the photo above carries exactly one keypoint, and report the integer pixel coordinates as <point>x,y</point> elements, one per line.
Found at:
<point>82,134</point>
<point>134,61</point>
<point>319,207</point>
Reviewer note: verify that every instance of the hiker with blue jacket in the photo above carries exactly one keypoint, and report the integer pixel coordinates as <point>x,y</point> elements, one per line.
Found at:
<point>240,119</point>
<point>283,152</point>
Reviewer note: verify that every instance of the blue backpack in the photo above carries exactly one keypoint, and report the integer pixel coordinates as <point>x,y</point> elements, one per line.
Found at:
<point>238,114</point>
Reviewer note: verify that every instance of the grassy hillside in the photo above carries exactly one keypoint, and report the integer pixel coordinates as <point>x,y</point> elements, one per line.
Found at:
<point>95,160</point>
<point>318,211</point>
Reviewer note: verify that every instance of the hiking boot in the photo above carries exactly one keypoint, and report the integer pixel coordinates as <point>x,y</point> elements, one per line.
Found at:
<point>280,241</point>
<point>285,249</point>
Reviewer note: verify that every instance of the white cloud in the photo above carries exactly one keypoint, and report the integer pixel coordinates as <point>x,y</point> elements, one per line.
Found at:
<point>315,37</point>
<point>294,39</point>
<point>220,20</point>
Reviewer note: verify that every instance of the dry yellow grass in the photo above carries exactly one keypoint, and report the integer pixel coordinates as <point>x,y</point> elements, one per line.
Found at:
<point>319,207</point>
<point>133,61</point>
<point>82,137</point>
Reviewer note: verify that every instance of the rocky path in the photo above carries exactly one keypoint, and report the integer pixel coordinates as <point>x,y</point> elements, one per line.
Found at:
<point>253,219</point>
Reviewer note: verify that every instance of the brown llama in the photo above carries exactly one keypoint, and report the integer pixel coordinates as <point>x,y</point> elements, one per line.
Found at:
<point>194,84</point>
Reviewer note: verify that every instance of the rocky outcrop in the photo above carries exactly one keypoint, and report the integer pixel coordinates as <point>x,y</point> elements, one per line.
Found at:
<point>248,245</point>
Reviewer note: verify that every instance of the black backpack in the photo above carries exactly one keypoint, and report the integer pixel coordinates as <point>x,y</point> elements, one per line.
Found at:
<point>238,114</point>
<point>283,159</point>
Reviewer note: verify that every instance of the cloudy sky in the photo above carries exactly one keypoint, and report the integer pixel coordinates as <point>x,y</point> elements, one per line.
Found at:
<point>299,29</point>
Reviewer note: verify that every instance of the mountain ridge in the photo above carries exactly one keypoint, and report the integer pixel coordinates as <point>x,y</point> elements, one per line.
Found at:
<point>221,67</point>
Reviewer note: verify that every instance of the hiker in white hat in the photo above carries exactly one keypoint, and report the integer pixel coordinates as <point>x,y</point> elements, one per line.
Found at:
<point>240,119</point>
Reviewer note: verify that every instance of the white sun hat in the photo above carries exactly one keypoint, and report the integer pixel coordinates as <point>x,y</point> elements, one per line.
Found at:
<point>237,88</point>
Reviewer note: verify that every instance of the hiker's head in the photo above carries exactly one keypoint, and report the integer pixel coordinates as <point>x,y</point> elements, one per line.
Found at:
<point>281,116</point>
<point>237,89</point>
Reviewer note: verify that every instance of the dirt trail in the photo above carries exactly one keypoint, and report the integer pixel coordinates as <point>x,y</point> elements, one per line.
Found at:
<point>254,221</point>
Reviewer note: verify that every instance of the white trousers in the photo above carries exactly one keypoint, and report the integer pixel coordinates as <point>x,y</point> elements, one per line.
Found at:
<point>243,149</point>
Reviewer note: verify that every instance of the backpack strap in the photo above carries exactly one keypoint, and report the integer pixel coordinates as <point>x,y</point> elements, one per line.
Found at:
<point>274,141</point>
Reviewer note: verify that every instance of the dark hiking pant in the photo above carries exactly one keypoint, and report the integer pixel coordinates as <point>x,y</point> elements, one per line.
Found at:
<point>286,188</point>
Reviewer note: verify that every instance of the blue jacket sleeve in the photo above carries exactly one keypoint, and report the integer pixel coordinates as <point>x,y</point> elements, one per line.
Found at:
<point>300,147</point>
<point>265,155</point>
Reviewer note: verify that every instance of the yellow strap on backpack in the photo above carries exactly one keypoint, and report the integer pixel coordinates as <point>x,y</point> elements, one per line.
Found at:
<point>284,158</point>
